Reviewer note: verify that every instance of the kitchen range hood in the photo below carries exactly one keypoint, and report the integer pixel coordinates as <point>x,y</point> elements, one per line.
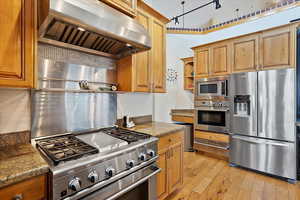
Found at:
<point>90,26</point>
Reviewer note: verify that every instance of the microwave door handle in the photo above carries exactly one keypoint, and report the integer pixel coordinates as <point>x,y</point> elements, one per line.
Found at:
<point>226,88</point>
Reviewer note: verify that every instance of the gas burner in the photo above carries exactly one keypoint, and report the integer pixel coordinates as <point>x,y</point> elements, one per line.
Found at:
<point>63,148</point>
<point>124,134</point>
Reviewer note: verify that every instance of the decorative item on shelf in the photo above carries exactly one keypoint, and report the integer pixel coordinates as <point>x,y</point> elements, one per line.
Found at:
<point>85,85</point>
<point>172,75</point>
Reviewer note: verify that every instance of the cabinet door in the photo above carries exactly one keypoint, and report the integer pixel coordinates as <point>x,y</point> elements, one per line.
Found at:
<point>202,62</point>
<point>220,59</point>
<point>162,184</point>
<point>175,173</point>
<point>277,48</point>
<point>245,53</point>
<point>126,6</point>
<point>142,60</point>
<point>17,43</point>
<point>158,56</point>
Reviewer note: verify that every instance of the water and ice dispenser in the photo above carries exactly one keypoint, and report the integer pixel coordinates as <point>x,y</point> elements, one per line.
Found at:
<point>242,105</point>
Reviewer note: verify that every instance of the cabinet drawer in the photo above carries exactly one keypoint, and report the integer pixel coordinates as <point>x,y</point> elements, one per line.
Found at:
<point>185,119</point>
<point>212,136</point>
<point>169,140</point>
<point>32,189</point>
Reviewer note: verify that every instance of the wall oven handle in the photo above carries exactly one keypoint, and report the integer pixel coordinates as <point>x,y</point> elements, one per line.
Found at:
<point>157,170</point>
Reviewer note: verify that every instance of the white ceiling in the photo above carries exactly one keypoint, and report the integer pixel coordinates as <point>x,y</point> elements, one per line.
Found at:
<point>203,16</point>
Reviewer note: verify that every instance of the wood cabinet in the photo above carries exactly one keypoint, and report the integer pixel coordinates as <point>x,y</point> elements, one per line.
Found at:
<point>270,49</point>
<point>170,151</point>
<point>31,189</point>
<point>215,144</point>
<point>146,71</point>
<point>126,6</point>
<point>212,60</point>
<point>17,47</point>
<point>202,61</point>
<point>245,52</point>
<point>158,56</point>
<point>277,48</point>
<point>220,59</point>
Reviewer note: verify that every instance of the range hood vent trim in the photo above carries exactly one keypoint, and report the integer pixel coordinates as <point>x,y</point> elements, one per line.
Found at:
<point>75,25</point>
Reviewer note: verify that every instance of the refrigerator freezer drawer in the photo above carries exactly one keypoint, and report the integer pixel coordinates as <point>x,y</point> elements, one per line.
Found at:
<point>269,156</point>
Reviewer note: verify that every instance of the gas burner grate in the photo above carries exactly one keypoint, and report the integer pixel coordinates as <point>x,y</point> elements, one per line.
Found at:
<point>127,135</point>
<point>63,148</point>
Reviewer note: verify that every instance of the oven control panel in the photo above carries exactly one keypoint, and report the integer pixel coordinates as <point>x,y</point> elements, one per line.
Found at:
<point>103,172</point>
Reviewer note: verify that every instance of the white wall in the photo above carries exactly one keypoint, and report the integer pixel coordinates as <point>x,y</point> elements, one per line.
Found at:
<point>14,110</point>
<point>135,104</point>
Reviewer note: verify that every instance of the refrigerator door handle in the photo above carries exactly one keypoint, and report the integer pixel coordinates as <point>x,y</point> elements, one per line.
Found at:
<point>248,139</point>
<point>276,144</point>
<point>257,141</point>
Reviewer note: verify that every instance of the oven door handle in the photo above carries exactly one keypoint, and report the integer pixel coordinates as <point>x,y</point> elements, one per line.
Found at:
<point>157,170</point>
<point>212,109</point>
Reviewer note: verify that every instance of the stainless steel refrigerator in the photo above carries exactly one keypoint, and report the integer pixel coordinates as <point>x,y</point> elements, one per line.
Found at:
<point>263,121</point>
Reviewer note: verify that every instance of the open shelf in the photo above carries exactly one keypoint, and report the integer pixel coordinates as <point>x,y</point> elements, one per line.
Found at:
<point>188,73</point>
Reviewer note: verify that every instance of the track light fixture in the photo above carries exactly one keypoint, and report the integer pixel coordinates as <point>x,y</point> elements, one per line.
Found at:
<point>217,2</point>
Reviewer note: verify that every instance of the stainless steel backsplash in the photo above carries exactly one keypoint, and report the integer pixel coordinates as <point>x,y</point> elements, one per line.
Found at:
<point>59,105</point>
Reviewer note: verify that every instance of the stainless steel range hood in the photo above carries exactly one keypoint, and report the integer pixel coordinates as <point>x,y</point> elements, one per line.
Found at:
<point>90,26</point>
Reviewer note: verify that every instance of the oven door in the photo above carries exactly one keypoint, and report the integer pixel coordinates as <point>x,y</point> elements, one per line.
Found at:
<point>211,119</point>
<point>140,184</point>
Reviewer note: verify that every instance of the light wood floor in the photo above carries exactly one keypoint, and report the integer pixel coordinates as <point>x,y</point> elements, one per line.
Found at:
<point>212,179</point>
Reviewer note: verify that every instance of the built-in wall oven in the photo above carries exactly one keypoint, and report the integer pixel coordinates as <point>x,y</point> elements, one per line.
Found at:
<point>207,88</point>
<point>212,116</point>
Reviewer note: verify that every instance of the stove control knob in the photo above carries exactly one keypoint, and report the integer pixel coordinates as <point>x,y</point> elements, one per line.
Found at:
<point>110,171</point>
<point>142,157</point>
<point>75,184</point>
<point>130,163</point>
<point>151,153</point>
<point>93,176</point>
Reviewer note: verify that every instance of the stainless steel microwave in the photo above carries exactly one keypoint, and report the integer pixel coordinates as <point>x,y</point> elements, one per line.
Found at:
<point>207,88</point>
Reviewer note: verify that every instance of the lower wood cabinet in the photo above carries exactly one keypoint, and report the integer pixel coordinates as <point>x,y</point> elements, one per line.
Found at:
<point>31,189</point>
<point>170,151</point>
<point>214,144</point>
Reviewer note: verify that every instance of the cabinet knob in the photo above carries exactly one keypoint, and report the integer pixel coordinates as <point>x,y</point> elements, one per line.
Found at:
<point>18,197</point>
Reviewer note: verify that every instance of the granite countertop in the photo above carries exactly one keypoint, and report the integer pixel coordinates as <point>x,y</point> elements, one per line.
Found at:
<point>183,112</point>
<point>157,129</point>
<point>20,162</point>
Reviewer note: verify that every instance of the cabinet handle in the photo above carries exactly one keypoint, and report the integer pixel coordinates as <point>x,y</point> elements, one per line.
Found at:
<point>18,197</point>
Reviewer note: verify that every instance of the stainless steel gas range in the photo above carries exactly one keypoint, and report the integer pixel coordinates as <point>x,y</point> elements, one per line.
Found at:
<point>109,163</point>
<point>73,128</point>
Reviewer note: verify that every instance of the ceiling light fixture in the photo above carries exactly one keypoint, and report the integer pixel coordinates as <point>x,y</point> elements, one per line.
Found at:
<point>217,2</point>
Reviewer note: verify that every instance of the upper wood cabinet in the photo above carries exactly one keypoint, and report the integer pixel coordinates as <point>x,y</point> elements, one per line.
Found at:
<point>202,62</point>
<point>220,59</point>
<point>278,48</point>
<point>146,71</point>
<point>212,60</point>
<point>159,56</point>
<point>17,47</point>
<point>126,6</point>
<point>270,49</point>
<point>245,53</point>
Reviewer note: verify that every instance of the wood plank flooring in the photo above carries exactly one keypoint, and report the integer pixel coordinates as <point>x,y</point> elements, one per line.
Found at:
<point>207,178</point>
